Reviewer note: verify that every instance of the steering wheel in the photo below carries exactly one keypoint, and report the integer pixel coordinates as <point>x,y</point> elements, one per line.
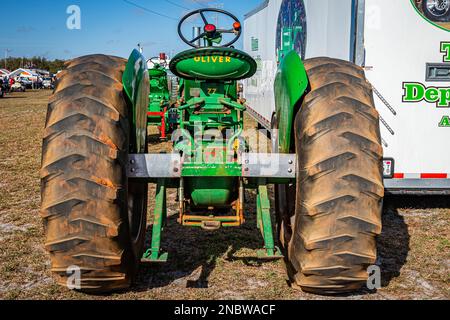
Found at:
<point>156,61</point>
<point>210,31</point>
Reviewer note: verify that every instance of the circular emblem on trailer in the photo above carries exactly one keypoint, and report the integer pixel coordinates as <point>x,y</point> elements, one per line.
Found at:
<point>437,12</point>
<point>291,28</point>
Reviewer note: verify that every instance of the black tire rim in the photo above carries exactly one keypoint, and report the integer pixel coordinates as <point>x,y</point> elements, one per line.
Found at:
<point>136,210</point>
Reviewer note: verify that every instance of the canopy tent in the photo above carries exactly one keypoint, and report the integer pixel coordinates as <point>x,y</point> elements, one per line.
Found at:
<point>25,73</point>
<point>4,72</point>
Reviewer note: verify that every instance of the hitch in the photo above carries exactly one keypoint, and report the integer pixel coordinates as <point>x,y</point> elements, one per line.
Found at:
<point>154,254</point>
<point>264,224</point>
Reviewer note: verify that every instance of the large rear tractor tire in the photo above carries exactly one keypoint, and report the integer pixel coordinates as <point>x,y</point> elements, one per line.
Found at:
<point>339,183</point>
<point>94,218</point>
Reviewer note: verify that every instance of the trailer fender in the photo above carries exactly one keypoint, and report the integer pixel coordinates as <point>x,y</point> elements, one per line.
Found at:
<point>136,86</point>
<point>291,84</point>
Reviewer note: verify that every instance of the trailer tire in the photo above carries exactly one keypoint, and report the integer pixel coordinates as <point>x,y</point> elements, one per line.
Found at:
<point>339,181</point>
<point>436,14</point>
<point>94,218</point>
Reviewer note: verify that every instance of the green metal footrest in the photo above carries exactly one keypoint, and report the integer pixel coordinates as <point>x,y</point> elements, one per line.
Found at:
<point>154,253</point>
<point>264,222</point>
<point>154,256</point>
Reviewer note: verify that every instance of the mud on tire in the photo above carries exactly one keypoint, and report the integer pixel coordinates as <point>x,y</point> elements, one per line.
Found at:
<point>339,185</point>
<point>93,218</point>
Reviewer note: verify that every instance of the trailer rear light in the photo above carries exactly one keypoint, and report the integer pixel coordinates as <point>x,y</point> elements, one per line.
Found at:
<point>388,168</point>
<point>416,176</point>
<point>433,176</point>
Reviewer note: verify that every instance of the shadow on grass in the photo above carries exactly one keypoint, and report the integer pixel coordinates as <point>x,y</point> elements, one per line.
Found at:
<point>154,138</point>
<point>194,252</point>
<point>393,244</point>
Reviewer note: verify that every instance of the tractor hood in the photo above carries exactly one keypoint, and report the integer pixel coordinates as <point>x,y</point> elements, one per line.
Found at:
<point>213,64</point>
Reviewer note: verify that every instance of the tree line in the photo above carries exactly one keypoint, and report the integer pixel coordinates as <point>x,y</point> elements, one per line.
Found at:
<point>13,63</point>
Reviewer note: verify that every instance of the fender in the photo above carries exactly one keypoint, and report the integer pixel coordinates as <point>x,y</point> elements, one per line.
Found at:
<point>291,84</point>
<point>136,85</point>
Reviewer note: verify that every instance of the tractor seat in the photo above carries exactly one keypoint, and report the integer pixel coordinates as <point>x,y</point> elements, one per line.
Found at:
<point>213,63</point>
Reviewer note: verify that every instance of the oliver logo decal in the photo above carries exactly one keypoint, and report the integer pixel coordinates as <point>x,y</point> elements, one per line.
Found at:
<point>217,59</point>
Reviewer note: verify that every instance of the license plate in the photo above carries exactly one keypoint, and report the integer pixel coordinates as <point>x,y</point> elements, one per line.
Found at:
<point>388,168</point>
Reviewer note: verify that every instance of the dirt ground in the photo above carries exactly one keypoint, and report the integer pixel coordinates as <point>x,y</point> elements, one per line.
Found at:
<point>414,248</point>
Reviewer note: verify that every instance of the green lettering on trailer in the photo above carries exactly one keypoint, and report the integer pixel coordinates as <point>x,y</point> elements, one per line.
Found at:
<point>445,49</point>
<point>445,122</point>
<point>432,94</point>
<point>414,92</point>
<point>444,100</point>
<point>417,92</point>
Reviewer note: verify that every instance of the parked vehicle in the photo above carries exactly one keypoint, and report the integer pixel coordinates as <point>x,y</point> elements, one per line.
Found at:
<point>95,168</point>
<point>18,86</point>
<point>28,84</point>
<point>47,83</point>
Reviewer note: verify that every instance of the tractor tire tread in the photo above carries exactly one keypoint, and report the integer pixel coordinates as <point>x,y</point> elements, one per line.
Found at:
<point>82,177</point>
<point>339,186</point>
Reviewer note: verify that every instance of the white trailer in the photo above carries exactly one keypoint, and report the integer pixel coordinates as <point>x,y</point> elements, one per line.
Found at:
<point>406,59</point>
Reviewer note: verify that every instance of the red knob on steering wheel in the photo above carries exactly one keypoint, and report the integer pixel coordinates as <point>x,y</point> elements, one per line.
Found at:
<point>210,31</point>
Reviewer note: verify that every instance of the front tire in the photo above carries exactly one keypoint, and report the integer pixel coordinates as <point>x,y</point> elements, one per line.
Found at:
<point>94,218</point>
<point>339,183</point>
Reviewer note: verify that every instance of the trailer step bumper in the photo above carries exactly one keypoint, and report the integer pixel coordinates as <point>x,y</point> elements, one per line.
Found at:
<point>417,186</point>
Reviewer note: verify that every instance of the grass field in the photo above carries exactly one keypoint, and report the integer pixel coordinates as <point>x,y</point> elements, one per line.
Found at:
<point>414,248</point>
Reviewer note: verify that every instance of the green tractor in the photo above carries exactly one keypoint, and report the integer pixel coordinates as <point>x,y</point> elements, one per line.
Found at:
<point>325,164</point>
<point>160,104</point>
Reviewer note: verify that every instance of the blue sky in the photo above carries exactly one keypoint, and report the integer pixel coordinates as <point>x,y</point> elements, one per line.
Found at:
<point>38,27</point>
